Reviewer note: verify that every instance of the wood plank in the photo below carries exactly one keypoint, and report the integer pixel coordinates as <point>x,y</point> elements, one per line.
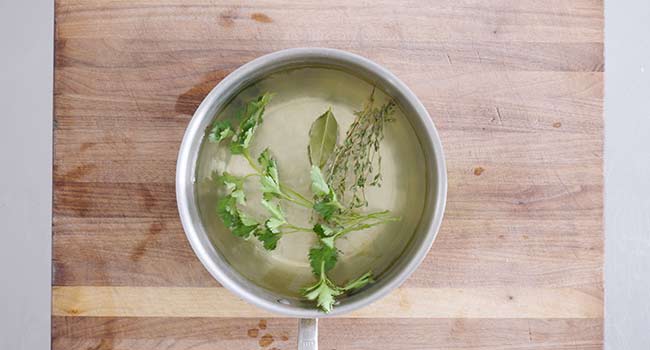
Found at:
<point>505,201</point>
<point>72,333</point>
<point>416,21</point>
<point>467,253</point>
<point>213,54</point>
<point>496,86</point>
<point>401,303</point>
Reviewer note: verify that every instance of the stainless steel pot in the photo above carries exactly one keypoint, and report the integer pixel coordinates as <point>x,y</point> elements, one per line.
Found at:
<point>212,259</point>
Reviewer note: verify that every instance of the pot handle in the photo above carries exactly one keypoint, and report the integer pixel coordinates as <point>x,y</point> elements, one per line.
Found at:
<point>308,334</point>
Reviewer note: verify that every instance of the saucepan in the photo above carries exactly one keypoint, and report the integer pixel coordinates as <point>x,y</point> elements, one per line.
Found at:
<point>434,173</point>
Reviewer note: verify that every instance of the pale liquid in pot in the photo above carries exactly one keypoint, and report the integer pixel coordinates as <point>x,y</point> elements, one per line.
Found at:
<point>300,96</point>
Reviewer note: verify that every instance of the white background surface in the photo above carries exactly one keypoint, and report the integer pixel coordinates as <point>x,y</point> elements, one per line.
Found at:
<point>627,174</point>
<point>26,42</point>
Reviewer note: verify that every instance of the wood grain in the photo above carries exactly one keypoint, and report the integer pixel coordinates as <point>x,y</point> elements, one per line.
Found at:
<point>402,303</point>
<point>514,87</point>
<point>244,333</point>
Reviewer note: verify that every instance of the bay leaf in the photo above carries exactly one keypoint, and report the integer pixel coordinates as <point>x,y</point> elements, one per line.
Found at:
<point>323,136</point>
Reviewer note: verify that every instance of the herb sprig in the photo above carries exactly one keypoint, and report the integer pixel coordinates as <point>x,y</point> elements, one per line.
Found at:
<point>357,158</point>
<point>357,161</point>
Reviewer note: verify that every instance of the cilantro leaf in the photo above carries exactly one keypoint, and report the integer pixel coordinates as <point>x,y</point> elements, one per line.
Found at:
<point>221,129</point>
<point>274,209</point>
<point>270,234</point>
<point>270,179</point>
<point>274,224</point>
<point>328,241</point>
<point>318,185</point>
<point>268,238</point>
<point>251,118</point>
<point>323,293</point>
<point>231,216</point>
<point>239,196</point>
<point>227,211</point>
<point>247,220</point>
<point>326,234</point>
<point>322,259</point>
<point>324,230</point>
<point>326,202</point>
<point>244,231</point>
<point>326,209</point>
<point>234,185</point>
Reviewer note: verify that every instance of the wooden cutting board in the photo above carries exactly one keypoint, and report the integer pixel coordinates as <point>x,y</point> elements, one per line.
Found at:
<point>515,88</point>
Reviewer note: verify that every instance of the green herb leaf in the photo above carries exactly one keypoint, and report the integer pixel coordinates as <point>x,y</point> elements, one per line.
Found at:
<point>227,211</point>
<point>247,220</point>
<point>234,185</point>
<point>268,238</point>
<point>328,241</point>
<point>221,129</point>
<point>359,282</point>
<point>322,138</point>
<point>243,231</point>
<point>325,209</point>
<point>274,209</point>
<point>318,185</point>
<point>322,259</point>
<point>327,204</point>
<point>270,180</point>
<point>274,224</point>
<point>323,293</point>
<point>231,216</point>
<point>231,182</point>
<point>239,196</point>
<point>251,118</point>
<point>326,234</point>
<point>324,230</point>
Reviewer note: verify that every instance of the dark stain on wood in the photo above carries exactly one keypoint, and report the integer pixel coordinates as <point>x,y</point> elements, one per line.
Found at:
<point>60,60</point>
<point>478,171</point>
<point>104,344</point>
<point>71,199</point>
<point>147,197</point>
<point>104,200</point>
<point>79,172</point>
<point>253,332</point>
<point>262,324</point>
<point>266,340</point>
<point>85,146</point>
<point>189,101</point>
<point>260,17</point>
<point>138,252</point>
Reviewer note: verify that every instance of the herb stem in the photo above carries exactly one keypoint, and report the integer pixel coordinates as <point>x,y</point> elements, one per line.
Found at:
<point>251,162</point>
<point>297,228</point>
<point>297,194</point>
<point>295,201</point>
<point>299,199</point>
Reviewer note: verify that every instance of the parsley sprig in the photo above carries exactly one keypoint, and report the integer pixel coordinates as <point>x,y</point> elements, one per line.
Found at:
<point>332,219</point>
